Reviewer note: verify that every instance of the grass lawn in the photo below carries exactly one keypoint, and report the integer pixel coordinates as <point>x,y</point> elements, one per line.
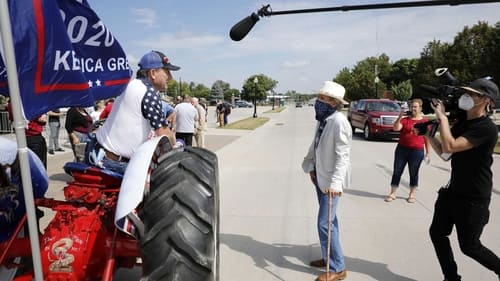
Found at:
<point>276,109</point>
<point>247,124</point>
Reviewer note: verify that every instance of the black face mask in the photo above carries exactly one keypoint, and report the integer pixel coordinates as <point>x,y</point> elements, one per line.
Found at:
<point>323,110</point>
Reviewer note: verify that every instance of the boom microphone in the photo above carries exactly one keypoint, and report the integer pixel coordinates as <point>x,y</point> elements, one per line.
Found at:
<point>241,29</point>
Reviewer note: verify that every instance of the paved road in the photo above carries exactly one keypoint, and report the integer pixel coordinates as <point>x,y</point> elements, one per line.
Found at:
<point>268,208</point>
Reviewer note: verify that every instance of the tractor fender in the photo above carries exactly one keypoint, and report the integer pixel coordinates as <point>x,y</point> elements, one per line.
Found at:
<point>134,183</point>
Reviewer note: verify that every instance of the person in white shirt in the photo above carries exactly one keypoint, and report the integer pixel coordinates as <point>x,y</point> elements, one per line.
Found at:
<point>328,164</point>
<point>186,116</point>
<point>136,112</point>
<point>98,107</point>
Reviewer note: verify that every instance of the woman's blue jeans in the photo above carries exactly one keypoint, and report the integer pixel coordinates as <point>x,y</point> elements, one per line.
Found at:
<point>54,135</point>
<point>337,263</point>
<point>404,155</point>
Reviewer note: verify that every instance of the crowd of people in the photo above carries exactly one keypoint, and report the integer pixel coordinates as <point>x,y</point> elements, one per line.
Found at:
<point>183,120</point>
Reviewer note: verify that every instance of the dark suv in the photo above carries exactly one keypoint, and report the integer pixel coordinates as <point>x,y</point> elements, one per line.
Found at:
<point>374,116</point>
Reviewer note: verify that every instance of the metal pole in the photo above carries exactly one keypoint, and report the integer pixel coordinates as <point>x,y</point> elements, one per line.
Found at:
<point>241,29</point>
<point>255,82</point>
<point>19,125</point>
<point>180,86</point>
<point>265,11</point>
<point>254,107</point>
<point>329,243</point>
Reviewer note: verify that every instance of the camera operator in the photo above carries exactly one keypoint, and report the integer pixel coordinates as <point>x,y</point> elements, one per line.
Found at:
<point>464,201</point>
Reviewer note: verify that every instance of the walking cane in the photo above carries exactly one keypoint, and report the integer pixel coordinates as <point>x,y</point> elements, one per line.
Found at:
<point>328,243</point>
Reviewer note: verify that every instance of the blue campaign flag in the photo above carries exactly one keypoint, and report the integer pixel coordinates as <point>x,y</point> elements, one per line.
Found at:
<point>65,55</point>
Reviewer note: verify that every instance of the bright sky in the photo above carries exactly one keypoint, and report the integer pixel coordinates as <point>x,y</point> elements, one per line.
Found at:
<point>299,51</point>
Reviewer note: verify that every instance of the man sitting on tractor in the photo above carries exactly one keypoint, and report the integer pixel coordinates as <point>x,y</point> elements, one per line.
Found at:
<point>137,114</point>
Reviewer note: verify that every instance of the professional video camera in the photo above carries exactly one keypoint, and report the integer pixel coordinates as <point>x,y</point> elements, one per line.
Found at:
<point>448,93</point>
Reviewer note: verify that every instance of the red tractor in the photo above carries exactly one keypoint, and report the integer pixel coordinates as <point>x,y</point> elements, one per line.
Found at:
<point>177,230</point>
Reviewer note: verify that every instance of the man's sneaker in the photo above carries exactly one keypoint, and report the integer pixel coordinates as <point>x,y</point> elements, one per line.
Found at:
<point>51,151</point>
<point>59,149</point>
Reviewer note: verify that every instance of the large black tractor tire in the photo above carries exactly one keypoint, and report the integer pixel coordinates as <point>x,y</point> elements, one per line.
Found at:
<point>181,218</point>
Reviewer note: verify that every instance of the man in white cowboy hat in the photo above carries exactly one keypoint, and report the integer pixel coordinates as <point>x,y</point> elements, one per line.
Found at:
<point>465,200</point>
<point>328,164</point>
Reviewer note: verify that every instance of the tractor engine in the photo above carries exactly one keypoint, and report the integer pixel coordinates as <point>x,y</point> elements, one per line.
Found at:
<point>81,236</point>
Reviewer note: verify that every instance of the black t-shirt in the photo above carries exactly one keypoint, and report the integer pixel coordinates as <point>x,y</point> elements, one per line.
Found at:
<point>221,108</point>
<point>54,118</point>
<point>471,174</point>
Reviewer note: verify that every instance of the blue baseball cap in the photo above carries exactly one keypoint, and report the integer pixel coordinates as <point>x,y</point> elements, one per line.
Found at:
<point>155,60</point>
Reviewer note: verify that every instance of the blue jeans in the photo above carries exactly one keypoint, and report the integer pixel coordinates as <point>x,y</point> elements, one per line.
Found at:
<point>100,161</point>
<point>337,263</point>
<point>80,148</point>
<point>404,155</point>
<point>54,135</point>
<point>115,166</point>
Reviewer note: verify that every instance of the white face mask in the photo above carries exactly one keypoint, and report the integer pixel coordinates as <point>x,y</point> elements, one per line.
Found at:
<point>465,102</point>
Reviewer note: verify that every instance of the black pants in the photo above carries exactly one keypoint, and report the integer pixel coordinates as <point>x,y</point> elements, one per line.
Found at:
<point>38,145</point>
<point>186,137</point>
<point>469,217</point>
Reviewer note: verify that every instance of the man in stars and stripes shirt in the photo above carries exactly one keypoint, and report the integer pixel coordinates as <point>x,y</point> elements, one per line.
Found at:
<point>136,112</point>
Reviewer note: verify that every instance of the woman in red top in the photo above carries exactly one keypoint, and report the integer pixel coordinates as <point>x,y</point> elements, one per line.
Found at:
<point>410,149</point>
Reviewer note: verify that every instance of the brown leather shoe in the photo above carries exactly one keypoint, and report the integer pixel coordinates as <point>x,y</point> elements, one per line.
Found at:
<point>318,263</point>
<point>332,276</point>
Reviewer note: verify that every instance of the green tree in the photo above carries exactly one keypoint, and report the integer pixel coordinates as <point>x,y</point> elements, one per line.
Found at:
<point>218,90</point>
<point>184,89</point>
<point>292,95</point>
<point>360,82</point>
<point>200,91</point>
<point>258,90</point>
<point>431,58</point>
<point>346,79</point>
<point>402,70</point>
<point>474,53</point>
<point>230,94</point>
<point>402,91</point>
<point>176,88</point>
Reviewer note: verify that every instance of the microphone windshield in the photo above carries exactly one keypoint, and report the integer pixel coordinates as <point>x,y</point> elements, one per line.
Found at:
<point>241,29</point>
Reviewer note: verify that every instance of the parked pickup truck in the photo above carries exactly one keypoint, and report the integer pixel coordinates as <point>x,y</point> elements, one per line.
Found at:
<point>374,116</point>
